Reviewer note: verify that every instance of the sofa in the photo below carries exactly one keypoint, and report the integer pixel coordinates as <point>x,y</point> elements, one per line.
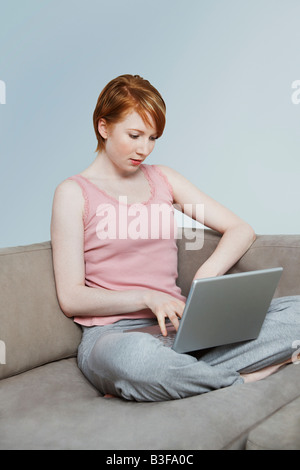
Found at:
<point>47,404</point>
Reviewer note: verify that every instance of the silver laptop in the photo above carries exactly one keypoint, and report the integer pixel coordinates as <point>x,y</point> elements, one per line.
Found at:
<point>221,310</point>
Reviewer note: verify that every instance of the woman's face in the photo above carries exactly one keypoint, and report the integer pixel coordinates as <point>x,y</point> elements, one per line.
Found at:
<point>128,142</point>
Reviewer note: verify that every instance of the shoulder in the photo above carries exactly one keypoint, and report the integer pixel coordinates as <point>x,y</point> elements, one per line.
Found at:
<point>168,171</point>
<point>175,178</point>
<point>184,191</point>
<point>180,187</point>
<point>67,187</point>
<point>68,193</point>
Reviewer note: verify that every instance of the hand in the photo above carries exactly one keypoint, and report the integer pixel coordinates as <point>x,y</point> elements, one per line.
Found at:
<point>164,306</point>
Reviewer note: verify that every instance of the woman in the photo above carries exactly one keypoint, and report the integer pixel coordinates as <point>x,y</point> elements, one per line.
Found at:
<point>116,264</point>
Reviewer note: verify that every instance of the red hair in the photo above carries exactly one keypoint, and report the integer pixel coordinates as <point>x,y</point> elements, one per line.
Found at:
<point>125,94</point>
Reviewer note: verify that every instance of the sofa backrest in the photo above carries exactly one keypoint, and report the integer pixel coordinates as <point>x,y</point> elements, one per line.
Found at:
<point>268,251</point>
<point>33,329</point>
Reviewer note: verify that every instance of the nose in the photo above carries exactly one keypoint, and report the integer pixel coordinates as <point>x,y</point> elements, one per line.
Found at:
<point>144,147</point>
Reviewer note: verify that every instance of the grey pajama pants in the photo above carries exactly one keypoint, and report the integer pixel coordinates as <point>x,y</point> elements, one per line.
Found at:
<point>137,366</point>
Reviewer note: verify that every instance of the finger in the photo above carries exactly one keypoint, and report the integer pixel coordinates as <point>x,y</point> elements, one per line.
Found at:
<point>179,308</point>
<point>174,320</point>
<point>162,324</point>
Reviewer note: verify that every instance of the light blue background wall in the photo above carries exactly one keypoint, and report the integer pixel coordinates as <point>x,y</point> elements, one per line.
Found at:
<point>224,67</point>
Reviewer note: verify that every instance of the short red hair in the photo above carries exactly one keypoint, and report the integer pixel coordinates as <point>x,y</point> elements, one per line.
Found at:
<point>125,94</point>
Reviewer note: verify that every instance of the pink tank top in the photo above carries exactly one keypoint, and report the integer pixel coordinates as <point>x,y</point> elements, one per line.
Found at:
<point>129,246</point>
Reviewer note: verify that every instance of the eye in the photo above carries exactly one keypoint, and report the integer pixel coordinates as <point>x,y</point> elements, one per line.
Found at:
<point>133,136</point>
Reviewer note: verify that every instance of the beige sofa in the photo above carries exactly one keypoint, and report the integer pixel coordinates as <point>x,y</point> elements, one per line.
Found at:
<point>46,402</point>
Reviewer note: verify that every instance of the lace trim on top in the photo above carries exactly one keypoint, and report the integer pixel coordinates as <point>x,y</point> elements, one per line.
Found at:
<point>116,201</point>
<point>85,197</point>
<point>165,179</point>
<point>145,170</point>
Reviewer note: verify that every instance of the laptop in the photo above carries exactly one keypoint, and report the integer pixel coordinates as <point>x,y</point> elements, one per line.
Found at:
<point>221,310</point>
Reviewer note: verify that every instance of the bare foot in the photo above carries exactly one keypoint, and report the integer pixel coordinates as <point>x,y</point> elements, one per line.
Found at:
<point>263,373</point>
<point>108,395</point>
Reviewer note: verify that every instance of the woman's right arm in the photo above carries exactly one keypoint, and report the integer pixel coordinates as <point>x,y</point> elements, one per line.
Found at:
<point>77,299</point>
<point>67,239</point>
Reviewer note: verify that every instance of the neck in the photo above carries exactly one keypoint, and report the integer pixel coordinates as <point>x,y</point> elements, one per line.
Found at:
<point>105,167</point>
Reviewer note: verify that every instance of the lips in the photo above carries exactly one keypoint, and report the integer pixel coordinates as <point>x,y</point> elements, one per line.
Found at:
<point>135,161</point>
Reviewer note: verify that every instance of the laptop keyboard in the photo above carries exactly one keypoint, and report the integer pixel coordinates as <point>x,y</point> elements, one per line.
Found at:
<point>165,340</point>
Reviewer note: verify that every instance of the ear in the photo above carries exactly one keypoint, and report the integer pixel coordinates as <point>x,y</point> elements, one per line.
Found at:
<point>102,128</point>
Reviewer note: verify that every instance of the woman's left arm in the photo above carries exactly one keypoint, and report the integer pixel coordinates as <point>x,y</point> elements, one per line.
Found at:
<point>237,235</point>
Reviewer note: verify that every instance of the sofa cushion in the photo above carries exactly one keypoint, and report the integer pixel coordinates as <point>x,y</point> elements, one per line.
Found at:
<point>33,329</point>
<point>281,431</point>
<point>55,407</point>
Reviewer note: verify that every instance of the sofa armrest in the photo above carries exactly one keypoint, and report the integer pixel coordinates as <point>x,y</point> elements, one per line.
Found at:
<point>33,329</point>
